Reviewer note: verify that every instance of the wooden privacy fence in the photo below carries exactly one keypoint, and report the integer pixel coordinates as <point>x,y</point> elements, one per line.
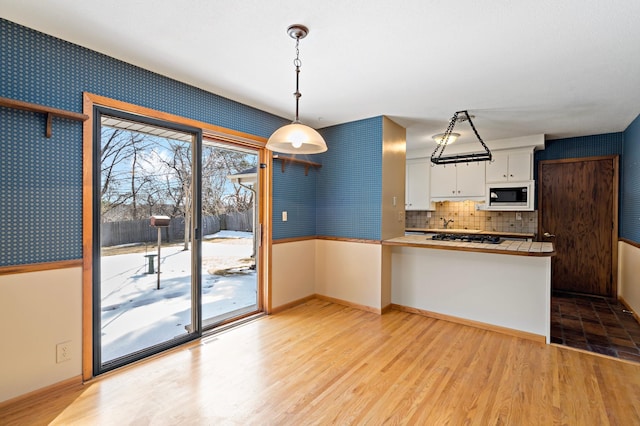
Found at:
<point>137,231</point>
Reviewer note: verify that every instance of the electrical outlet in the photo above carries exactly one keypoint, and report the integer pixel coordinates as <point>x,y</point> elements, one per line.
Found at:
<point>284,216</point>
<point>518,216</point>
<point>63,352</point>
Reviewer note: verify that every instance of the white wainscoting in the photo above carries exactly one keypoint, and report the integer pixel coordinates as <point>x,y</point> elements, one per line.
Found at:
<point>350,271</point>
<point>292,271</point>
<point>629,275</point>
<point>37,311</point>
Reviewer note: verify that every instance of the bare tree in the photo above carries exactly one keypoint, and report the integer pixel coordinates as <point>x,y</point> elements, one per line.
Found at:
<point>144,175</point>
<point>120,151</point>
<point>179,181</point>
<point>219,194</point>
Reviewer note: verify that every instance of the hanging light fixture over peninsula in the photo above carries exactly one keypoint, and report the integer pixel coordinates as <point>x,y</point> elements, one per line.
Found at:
<point>296,138</point>
<point>444,139</point>
<point>438,158</point>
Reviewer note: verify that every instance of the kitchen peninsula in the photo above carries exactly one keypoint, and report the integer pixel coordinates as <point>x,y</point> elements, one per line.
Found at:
<point>504,287</point>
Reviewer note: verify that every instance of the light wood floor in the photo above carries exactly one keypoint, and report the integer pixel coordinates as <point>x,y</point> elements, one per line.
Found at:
<point>322,363</point>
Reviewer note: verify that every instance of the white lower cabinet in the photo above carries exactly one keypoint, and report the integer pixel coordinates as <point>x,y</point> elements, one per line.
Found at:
<point>458,181</point>
<point>417,186</point>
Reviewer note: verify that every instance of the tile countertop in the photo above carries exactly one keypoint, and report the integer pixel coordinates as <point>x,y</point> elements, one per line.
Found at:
<point>518,248</point>
<point>471,231</point>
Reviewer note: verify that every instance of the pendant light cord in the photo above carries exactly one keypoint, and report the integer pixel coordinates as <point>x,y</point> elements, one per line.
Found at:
<point>297,63</point>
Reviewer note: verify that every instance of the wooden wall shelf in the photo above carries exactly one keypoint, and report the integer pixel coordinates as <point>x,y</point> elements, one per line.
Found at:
<point>307,164</point>
<point>51,112</point>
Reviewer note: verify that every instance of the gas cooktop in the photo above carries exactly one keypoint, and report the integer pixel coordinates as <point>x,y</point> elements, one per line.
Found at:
<point>471,238</point>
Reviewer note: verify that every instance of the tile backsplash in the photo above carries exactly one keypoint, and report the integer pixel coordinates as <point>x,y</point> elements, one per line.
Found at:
<point>465,215</point>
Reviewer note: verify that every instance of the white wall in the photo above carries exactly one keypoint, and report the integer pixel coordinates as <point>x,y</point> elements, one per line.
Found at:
<point>349,271</point>
<point>37,311</point>
<point>629,275</point>
<point>292,271</point>
<point>503,290</point>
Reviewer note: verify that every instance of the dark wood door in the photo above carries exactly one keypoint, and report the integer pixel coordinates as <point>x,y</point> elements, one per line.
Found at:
<point>578,212</point>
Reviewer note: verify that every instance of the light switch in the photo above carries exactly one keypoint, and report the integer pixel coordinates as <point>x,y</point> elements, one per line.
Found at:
<point>284,216</point>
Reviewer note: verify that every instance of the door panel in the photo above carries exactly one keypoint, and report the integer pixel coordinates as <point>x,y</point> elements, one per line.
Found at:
<point>146,288</point>
<point>230,190</point>
<point>578,211</point>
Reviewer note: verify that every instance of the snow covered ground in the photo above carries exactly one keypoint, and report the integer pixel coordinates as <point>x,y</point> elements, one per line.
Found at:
<point>135,315</point>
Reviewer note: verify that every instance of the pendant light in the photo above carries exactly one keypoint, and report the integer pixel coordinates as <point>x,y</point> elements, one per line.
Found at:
<point>445,139</point>
<point>296,138</point>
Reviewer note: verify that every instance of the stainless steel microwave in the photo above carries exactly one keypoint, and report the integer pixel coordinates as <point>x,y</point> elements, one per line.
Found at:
<point>510,196</point>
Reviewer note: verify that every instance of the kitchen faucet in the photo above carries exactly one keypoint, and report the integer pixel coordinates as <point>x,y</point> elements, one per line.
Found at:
<point>446,222</point>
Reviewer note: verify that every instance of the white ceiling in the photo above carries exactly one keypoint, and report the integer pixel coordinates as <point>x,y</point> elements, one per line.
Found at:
<point>559,67</point>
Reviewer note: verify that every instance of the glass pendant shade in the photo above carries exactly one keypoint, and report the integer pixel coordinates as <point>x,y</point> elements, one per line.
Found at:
<point>439,138</point>
<point>296,138</point>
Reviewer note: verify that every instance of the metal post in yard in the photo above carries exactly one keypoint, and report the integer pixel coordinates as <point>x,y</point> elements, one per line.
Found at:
<point>159,222</point>
<point>159,244</point>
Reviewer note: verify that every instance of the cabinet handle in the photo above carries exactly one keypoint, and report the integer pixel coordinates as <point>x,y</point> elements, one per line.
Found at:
<point>504,175</point>
<point>453,192</point>
<point>510,175</point>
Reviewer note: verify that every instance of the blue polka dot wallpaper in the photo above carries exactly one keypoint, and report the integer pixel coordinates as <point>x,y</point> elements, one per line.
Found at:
<point>40,178</point>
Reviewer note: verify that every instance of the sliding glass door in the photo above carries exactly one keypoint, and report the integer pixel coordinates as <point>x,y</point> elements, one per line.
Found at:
<point>176,236</point>
<point>230,241</point>
<point>147,256</point>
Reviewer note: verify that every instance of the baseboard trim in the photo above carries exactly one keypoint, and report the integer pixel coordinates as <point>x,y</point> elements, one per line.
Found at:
<point>45,392</point>
<point>352,305</point>
<point>342,302</point>
<point>290,305</point>
<point>387,308</point>
<point>477,324</point>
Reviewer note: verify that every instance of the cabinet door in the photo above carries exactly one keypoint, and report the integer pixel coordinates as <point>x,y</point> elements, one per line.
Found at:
<point>443,181</point>
<point>471,179</point>
<point>417,185</point>
<point>520,166</point>
<point>497,169</point>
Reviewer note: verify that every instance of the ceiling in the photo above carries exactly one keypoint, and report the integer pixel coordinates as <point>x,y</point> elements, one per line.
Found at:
<point>562,68</point>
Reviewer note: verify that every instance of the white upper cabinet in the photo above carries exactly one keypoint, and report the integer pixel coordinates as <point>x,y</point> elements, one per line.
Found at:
<point>464,181</point>
<point>443,181</point>
<point>417,184</point>
<point>510,166</point>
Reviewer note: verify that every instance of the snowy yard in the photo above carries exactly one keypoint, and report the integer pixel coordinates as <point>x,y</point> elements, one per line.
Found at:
<point>135,315</point>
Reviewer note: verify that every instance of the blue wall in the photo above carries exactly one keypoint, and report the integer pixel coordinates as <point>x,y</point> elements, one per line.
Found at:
<point>294,193</point>
<point>343,197</point>
<point>41,179</point>
<point>630,201</point>
<point>349,187</point>
<point>584,146</point>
